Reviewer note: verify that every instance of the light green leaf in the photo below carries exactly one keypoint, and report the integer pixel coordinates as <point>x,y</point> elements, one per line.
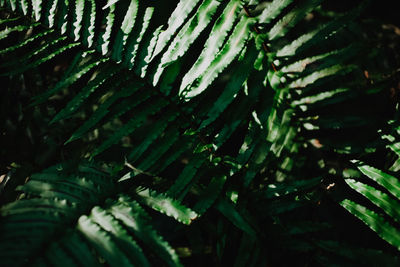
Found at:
<point>5,33</point>
<point>386,231</point>
<point>122,237</point>
<point>79,10</point>
<point>176,20</point>
<point>273,10</point>
<point>24,6</point>
<point>91,28</point>
<point>126,28</point>
<point>382,200</point>
<point>52,13</point>
<point>37,9</point>
<point>26,42</point>
<point>229,52</point>
<point>110,3</point>
<point>187,35</point>
<point>136,219</point>
<point>166,205</point>
<point>133,47</point>
<point>213,44</point>
<point>103,242</point>
<point>392,184</point>
<point>107,32</point>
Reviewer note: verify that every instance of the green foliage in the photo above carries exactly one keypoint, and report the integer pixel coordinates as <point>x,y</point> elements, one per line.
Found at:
<point>87,207</point>
<point>185,132</point>
<point>388,202</point>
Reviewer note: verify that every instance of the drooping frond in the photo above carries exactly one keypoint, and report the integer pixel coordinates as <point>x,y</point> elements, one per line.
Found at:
<point>383,193</point>
<point>59,210</point>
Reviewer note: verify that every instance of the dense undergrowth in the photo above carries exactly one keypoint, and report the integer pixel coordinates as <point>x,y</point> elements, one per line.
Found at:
<point>227,133</point>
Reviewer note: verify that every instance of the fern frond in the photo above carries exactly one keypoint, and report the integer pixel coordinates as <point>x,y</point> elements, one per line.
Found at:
<point>380,199</point>
<point>228,210</point>
<point>392,184</point>
<point>209,103</point>
<point>167,206</point>
<point>76,102</point>
<point>126,242</point>
<point>213,44</point>
<point>210,195</point>
<point>228,53</point>
<point>376,194</point>
<point>136,219</point>
<point>385,230</point>
<point>103,110</point>
<point>54,200</point>
<point>76,74</point>
<point>175,21</point>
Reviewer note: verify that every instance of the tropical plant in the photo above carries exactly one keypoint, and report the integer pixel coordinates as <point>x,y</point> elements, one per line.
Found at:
<point>185,132</point>
<point>381,189</point>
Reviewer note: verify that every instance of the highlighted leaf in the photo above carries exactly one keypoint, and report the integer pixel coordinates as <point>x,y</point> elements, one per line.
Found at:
<point>392,184</point>
<point>229,52</point>
<point>386,231</point>
<point>166,205</point>
<point>380,199</point>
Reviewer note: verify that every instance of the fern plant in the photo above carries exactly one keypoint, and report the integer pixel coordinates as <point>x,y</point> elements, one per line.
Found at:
<point>52,208</point>
<point>200,110</point>
<point>382,190</point>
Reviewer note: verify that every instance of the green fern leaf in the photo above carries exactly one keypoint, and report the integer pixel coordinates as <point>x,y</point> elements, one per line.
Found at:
<point>134,40</point>
<point>228,53</point>
<point>230,212</point>
<point>134,217</point>
<point>102,111</point>
<point>232,87</point>
<point>63,21</point>
<point>392,184</point>
<point>386,231</point>
<point>26,42</point>
<point>107,32</point>
<point>77,24</point>
<point>110,3</point>
<point>57,256</point>
<point>5,33</point>
<point>52,13</point>
<point>166,205</point>
<point>382,200</point>
<point>164,146</point>
<point>213,44</point>
<point>102,242</point>
<point>156,131</point>
<point>93,85</point>
<point>186,176</point>
<point>76,246</point>
<point>187,35</point>
<point>73,77</point>
<point>291,19</point>
<point>210,194</point>
<point>126,28</point>
<point>130,126</point>
<point>125,242</point>
<point>273,10</point>
<point>176,20</point>
<point>36,9</point>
